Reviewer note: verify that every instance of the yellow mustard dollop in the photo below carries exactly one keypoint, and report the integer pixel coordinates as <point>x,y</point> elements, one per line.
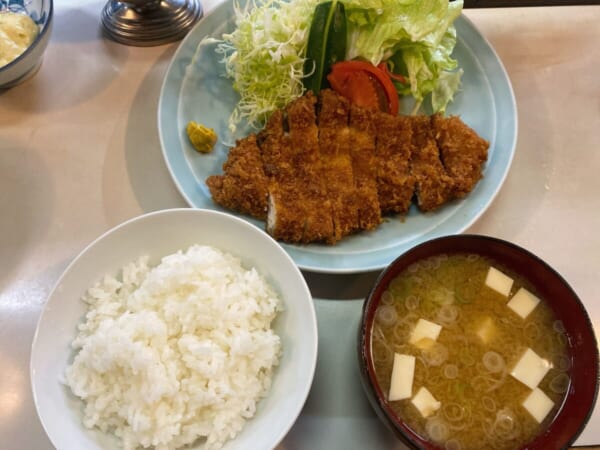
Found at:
<point>17,32</point>
<point>202,138</point>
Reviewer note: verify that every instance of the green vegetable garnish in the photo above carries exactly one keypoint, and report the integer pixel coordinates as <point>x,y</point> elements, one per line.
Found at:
<point>326,44</point>
<point>264,56</point>
<point>271,49</point>
<point>416,36</point>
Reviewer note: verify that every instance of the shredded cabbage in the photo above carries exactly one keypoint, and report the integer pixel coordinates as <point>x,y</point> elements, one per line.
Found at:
<point>264,56</point>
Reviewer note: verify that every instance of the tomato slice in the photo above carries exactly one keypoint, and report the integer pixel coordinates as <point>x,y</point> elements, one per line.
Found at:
<point>394,76</point>
<point>361,89</point>
<point>360,81</point>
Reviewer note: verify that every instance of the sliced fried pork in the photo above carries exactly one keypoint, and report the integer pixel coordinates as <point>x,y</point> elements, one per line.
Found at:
<point>244,185</point>
<point>433,185</point>
<point>285,219</point>
<point>303,140</point>
<point>364,167</point>
<point>271,140</point>
<point>462,150</point>
<point>395,183</point>
<point>336,162</point>
<point>318,173</point>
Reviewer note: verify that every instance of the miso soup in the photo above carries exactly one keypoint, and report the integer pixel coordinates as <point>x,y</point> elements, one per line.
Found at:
<point>485,375</point>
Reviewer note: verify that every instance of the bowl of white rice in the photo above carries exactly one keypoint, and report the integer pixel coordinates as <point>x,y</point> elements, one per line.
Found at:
<point>182,328</point>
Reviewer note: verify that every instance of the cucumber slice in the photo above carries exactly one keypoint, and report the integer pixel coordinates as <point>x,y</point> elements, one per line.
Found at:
<point>335,50</point>
<point>326,43</point>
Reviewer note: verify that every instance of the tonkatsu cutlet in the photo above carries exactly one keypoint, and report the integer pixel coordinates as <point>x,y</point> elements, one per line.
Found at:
<point>285,213</point>
<point>272,148</point>
<point>334,144</point>
<point>323,169</point>
<point>305,192</point>
<point>433,185</point>
<point>364,167</point>
<point>244,187</point>
<point>395,182</point>
<point>462,152</point>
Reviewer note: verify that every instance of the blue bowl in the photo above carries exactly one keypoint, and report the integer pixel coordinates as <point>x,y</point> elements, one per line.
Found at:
<point>25,65</point>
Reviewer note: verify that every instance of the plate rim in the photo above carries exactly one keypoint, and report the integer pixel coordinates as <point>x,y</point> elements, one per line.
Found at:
<point>382,261</point>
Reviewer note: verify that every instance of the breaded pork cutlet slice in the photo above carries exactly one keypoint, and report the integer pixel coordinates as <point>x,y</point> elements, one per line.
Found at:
<point>364,167</point>
<point>303,139</point>
<point>244,186</point>
<point>285,221</point>
<point>462,150</point>
<point>433,185</point>
<point>271,141</point>
<point>395,182</point>
<point>336,162</point>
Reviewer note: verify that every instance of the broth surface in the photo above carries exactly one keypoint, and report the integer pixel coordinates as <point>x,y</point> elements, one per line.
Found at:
<point>468,367</point>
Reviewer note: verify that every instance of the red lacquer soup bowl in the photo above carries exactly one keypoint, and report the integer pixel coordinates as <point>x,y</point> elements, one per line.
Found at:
<point>574,412</point>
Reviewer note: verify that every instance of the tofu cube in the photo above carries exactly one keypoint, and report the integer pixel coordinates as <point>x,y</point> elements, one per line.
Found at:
<point>523,302</point>
<point>425,402</point>
<point>498,281</point>
<point>538,404</point>
<point>486,330</point>
<point>530,369</point>
<point>403,372</point>
<point>424,333</point>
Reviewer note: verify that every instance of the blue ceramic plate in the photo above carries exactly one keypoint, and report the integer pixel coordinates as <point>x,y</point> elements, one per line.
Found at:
<point>194,88</point>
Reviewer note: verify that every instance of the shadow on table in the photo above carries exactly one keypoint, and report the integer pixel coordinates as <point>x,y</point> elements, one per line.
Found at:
<point>340,286</point>
<point>27,199</point>
<point>69,76</point>
<point>76,25</point>
<point>150,180</point>
<point>337,414</point>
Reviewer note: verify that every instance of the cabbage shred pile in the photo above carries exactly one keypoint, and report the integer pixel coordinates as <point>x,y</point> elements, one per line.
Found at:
<point>264,55</point>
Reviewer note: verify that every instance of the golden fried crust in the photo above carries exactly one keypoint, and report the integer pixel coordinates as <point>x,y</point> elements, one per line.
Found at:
<point>244,186</point>
<point>272,148</point>
<point>321,171</point>
<point>395,183</point>
<point>336,160</point>
<point>433,185</point>
<point>285,220</point>
<point>362,138</point>
<point>462,150</point>
<point>309,177</point>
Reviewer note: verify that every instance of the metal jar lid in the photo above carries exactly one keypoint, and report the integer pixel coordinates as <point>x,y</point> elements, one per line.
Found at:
<point>148,23</point>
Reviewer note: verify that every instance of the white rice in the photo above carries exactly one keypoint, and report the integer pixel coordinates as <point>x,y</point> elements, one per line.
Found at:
<point>177,354</point>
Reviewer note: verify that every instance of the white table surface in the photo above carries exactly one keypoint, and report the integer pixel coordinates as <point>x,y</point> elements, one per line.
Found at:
<point>79,153</point>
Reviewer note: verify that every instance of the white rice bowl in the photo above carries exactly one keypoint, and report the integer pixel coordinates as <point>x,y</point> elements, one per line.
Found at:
<point>178,352</point>
<point>147,340</point>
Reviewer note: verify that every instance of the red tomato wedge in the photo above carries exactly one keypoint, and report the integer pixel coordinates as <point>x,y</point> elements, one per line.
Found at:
<point>394,76</point>
<point>360,89</point>
<point>363,84</point>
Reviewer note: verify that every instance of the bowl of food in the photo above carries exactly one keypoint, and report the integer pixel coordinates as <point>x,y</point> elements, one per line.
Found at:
<point>470,342</point>
<point>179,328</point>
<point>25,29</point>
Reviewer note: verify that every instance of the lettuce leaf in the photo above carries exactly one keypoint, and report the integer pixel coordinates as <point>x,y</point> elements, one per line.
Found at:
<point>416,36</point>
